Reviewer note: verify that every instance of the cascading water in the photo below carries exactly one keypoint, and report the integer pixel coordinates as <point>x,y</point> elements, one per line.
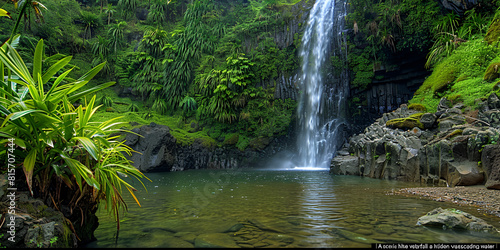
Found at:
<point>322,86</point>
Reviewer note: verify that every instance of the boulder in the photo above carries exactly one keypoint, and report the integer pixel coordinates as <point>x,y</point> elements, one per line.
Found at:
<point>405,123</point>
<point>345,165</point>
<point>444,104</point>
<point>154,146</point>
<point>454,219</point>
<point>492,117</point>
<point>459,6</point>
<point>428,120</point>
<point>36,225</point>
<point>444,124</point>
<point>490,159</point>
<point>493,101</point>
<point>462,173</point>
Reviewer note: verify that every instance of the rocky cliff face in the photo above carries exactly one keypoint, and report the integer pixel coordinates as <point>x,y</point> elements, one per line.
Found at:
<point>286,85</point>
<point>393,85</point>
<point>443,148</point>
<point>159,151</point>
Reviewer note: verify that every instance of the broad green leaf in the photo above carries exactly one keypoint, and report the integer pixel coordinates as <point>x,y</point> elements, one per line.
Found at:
<point>37,61</point>
<point>89,75</point>
<point>28,166</point>
<point>19,114</point>
<point>80,171</point>
<point>89,91</point>
<point>56,84</point>
<point>88,145</point>
<point>55,68</point>
<point>2,70</point>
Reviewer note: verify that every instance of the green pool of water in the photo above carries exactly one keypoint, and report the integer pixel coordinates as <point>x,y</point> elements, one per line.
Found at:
<point>252,208</point>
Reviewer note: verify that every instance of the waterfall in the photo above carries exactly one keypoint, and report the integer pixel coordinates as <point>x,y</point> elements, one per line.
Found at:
<point>323,87</point>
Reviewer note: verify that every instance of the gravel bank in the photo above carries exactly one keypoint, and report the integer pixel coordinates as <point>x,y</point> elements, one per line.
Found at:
<point>476,196</point>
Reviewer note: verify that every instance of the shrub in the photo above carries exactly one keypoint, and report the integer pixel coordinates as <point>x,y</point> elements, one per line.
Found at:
<point>80,156</point>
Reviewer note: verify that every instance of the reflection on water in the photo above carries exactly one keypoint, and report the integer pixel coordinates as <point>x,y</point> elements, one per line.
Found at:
<point>275,209</point>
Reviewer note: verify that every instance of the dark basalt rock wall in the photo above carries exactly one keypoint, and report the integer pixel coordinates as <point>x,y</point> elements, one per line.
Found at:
<point>445,148</point>
<point>390,88</point>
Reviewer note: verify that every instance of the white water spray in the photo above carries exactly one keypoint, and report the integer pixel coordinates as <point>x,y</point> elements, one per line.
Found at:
<point>321,103</point>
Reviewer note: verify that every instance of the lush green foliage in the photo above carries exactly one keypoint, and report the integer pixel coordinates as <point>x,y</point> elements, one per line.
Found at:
<point>60,142</point>
<point>460,75</point>
<point>183,59</point>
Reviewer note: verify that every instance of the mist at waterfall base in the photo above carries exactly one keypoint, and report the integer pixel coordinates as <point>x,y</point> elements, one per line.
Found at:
<point>321,108</point>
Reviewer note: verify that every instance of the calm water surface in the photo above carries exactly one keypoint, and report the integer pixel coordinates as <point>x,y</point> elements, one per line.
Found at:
<point>276,209</point>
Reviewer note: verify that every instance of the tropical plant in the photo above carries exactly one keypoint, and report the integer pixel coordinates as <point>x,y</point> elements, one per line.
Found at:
<point>203,29</point>
<point>156,13</point>
<point>188,104</point>
<point>109,11</point>
<point>133,108</point>
<point>36,10</point>
<point>106,101</point>
<point>226,90</point>
<point>101,4</point>
<point>90,21</point>
<point>128,7</point>
<point>101,46</point>
<point>444,45</point>
<point>160,106</point>
<point>61,145</point>
<point>115,33</point>
<point>149,77</point>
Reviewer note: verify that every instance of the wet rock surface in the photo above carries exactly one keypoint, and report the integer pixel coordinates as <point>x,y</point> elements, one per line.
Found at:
<point>491,164</point>
<point>455,219</point>
<point>445,149</point>
<point>35,224</point>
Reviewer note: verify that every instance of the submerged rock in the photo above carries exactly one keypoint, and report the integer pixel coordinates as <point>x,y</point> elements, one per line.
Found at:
<point>202,225</point>
<point>455,219</point>
<point>353,236</point>
<point>271,224</point>
<point>215,240</point>
<point>347,165</point>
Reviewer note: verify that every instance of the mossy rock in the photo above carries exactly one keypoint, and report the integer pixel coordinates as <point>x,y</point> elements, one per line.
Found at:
<point>491,72</point>
<point>231,139</point>
<point>206,142</point>
<point>442,78</point>
<point>259,143</point>
<point>406,123</point>
<point>417,107</point>
<point>493,32</point>
<point>456,132</point>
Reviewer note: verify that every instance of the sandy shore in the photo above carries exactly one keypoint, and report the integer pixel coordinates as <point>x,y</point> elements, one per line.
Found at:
<point>476,196</point>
